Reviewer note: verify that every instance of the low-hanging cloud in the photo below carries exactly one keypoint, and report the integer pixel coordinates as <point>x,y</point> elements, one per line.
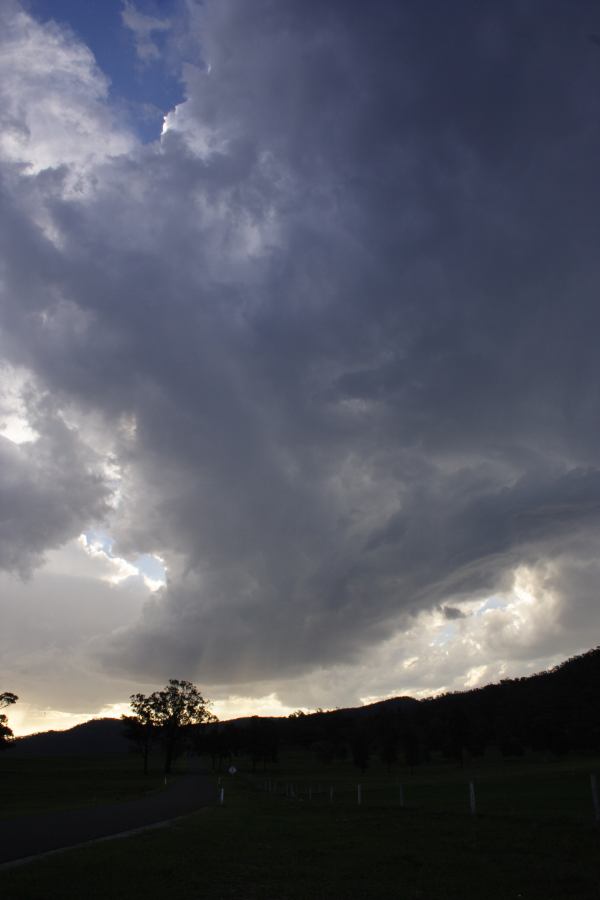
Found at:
<point>339,323</point>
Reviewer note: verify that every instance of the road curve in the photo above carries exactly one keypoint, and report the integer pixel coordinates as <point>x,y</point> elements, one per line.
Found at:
<point>27,836</point>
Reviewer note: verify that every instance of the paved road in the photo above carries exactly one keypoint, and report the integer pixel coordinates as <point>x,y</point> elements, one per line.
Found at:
<point>30,835</point>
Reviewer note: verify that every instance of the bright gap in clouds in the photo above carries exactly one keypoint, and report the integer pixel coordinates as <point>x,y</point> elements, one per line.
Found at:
<point>14,421</point>
<point>147,566</point>
<point>17,429</point>
<point>128,43</point>
<point>27,719</point>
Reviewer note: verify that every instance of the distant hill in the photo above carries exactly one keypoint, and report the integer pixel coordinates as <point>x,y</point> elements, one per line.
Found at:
<point>97,737</point>
<point>391,705</point>
<point>555,711</point>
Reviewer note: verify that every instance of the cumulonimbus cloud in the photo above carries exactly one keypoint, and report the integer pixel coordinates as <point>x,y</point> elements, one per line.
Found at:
<point>339,320</point>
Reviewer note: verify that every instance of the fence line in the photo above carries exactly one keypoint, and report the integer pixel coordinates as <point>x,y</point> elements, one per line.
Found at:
<point>330,794</point>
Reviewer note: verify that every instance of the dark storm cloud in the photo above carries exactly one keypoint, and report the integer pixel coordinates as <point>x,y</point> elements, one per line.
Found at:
<point>49,491</point>
<point>350,304</point>
<point>451,613</point>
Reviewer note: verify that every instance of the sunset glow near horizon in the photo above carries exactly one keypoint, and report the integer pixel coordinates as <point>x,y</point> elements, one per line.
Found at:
<point>298,377</point>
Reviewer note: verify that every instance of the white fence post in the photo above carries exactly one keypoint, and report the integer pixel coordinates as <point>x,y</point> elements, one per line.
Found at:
<point>472,799</point>
<point>222,796</point>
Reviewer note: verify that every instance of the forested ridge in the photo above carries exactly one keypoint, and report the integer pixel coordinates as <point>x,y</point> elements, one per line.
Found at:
<point>555,712</point>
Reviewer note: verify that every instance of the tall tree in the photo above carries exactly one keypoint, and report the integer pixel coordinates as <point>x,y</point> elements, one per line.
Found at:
<point>6,735</point>
<point>141,728</point>
<point>170,714</point>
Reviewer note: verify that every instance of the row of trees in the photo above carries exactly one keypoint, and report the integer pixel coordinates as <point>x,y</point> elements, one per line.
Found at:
<point>555,712</point>
<point>329,736</point>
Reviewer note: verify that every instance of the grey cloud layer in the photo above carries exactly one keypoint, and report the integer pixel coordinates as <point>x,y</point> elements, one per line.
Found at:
<point>350,302</point>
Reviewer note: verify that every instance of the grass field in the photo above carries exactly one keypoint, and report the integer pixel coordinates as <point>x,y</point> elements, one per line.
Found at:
<point>533,838</point>
<point>34,785</point>
<point>535,788</point>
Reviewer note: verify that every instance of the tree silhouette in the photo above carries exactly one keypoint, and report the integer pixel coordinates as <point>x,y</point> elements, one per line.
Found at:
<point>6,735</point>
<point>141,728</point>
<point>170,715</point>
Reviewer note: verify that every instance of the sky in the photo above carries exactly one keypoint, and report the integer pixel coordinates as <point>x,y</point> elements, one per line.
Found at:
<point>299,380</point>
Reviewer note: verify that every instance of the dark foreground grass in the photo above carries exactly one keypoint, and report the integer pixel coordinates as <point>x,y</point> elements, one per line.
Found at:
<point>35,785</point>
<point>535,788</point>
<point>259,845</point>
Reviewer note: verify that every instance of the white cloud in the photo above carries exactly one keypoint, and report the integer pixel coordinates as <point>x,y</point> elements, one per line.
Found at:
<point>14,420</point>
<point>53,97</point>
<point>143,27</point>
<point>234,706</point>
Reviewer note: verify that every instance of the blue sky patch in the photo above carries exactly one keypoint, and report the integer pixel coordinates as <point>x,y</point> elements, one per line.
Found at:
<point>146,90</point>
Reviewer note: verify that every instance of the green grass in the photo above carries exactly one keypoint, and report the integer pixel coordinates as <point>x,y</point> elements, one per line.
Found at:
<point>260,845</point>
<point>35,785</point>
